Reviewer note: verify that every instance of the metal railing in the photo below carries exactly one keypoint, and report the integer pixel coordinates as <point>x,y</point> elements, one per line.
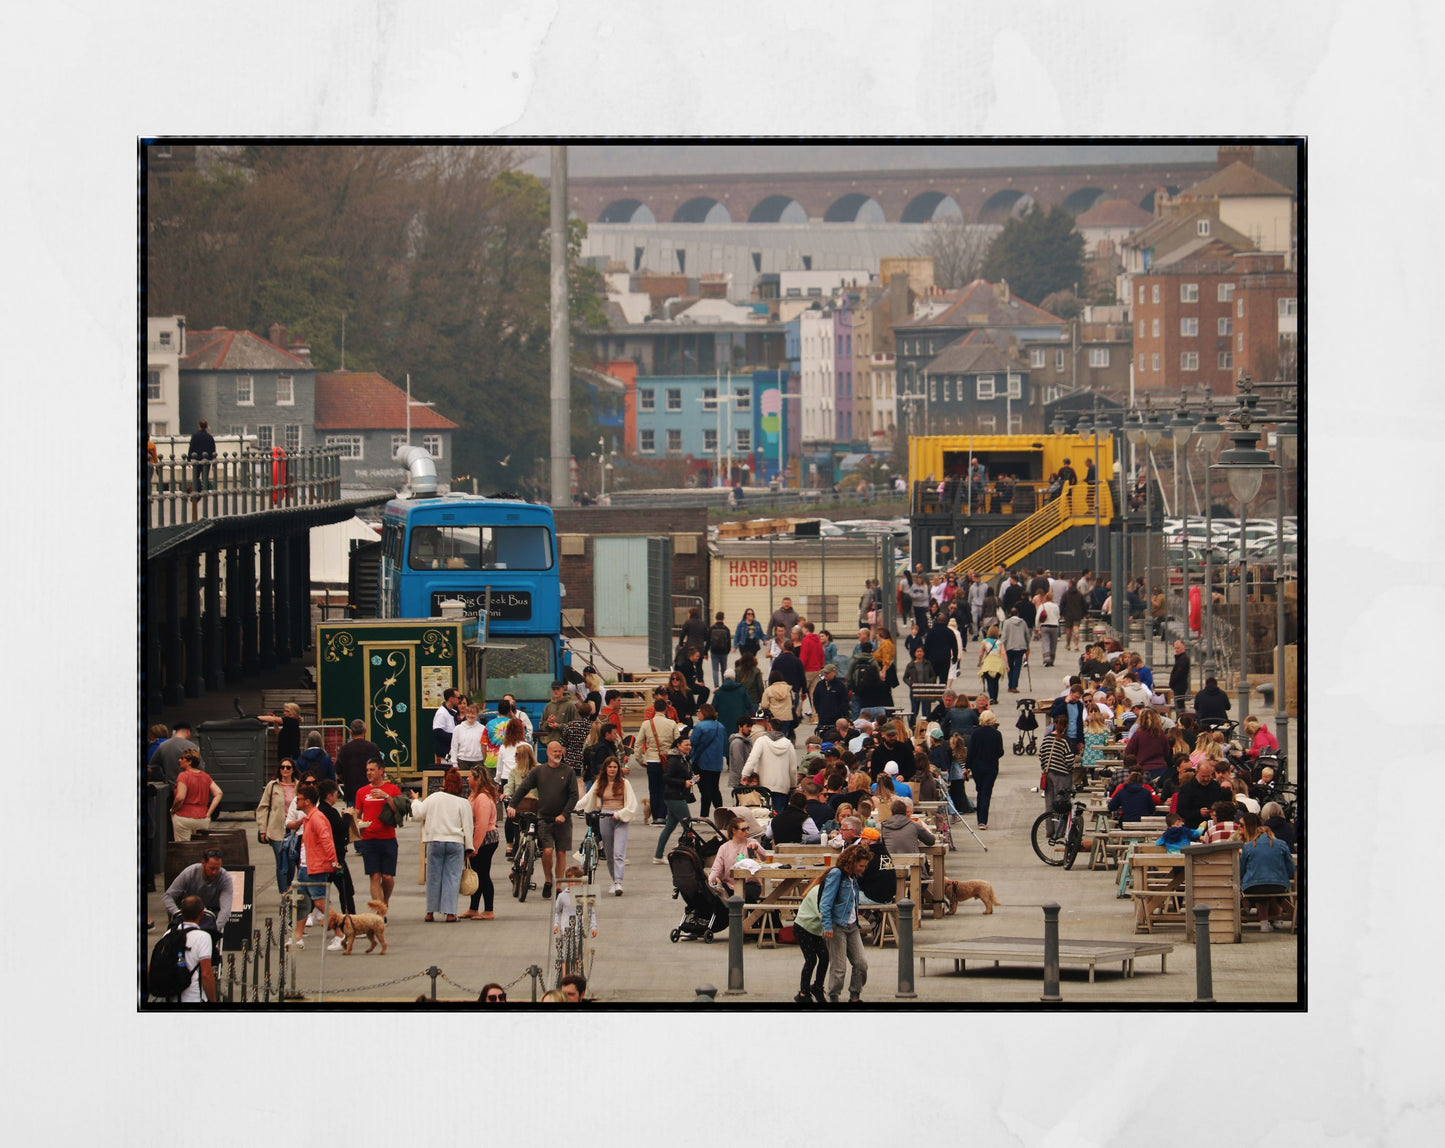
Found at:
<point>181,491</point>
<point>1074,507</point>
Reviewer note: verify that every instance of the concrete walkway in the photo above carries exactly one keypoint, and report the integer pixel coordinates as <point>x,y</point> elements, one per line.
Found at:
<point>635,962</point>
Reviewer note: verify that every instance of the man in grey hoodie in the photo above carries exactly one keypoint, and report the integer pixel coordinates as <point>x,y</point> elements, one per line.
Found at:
<point>774,760</point>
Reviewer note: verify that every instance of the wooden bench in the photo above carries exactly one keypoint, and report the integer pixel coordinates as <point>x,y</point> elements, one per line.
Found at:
<point>887,928</point>
<point>1291,899</point>
<point>1157,887</point>
<point>1030,950</point>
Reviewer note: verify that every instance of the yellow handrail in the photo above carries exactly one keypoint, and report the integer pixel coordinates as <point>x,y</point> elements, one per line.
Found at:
<point>1072,507</point>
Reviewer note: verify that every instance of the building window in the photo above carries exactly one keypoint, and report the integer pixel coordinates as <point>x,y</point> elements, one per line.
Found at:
<point>245,395</point>
<point>432,444</point>
<point>1052,394</point>
<point>985,387</point>
<point>1036,356</point>
<point>166,339</point>
<point>237,432</point>
<point>1154,293</point>
<point>709,440</point>
<point>1239,341</point>
<point>285,391</point>
<point>1226,326</point>
<point>1098,356</point>
<point>795,292</point>
<point>1141,362</point>
<point>1141,328</point>
<point>674,399</point>
<point>1239,308</point>
<point>1226,292</point>
<point>153,386</point>
<point>709,398</point>
<point>1154,362</point>
<point>1201,227</point>
<point>293,437</point>
<point>1154,327</point>
<point>933,390</point>
<point>1189,292</point>
<point>743,440</point>
<point>397,442</point>
<point>1226,360</point>
<point>948,389</point>
<point>1189,327</point>
<point>1288,307</point>
<point>646,440</point>
<point>1015,385</point>
<point>847,344</point>
<point>1141,294</point>
<point>674,440</point>
<point>156,429</point>
<point>646,399</point>
<point>265,438</point>
<point>1058,360</point>
<point>1015,424</point>
<point>348,444</point>
<point>1189,361</point>
<point>987,422</point>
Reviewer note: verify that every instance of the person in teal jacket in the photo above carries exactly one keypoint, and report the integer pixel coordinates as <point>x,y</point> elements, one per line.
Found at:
<point>709,744</point>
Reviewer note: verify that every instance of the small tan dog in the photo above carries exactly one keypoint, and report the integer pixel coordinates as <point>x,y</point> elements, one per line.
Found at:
<point>956,891</point>
<point>349,925</point>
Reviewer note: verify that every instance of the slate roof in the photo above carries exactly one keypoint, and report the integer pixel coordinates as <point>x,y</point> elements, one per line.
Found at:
<point>237,351</point>
<point>1170,225</point>
<point>365,400</point>
<point>978,299</point>
<point>1237,179</point>
<point>974,355</point>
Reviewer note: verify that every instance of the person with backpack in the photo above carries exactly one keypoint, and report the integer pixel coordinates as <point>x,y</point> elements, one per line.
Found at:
<point>181,966</point>
<point>808,929</point>
<point>719,646</point>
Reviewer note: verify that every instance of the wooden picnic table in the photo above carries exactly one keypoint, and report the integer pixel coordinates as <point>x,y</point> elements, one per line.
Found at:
<point>784,888</point>
<point>1157,890</point>
<point>1030,950</point>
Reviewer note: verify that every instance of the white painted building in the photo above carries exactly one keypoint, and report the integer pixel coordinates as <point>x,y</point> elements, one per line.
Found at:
<point>163,375</point>
<point>817,361</point>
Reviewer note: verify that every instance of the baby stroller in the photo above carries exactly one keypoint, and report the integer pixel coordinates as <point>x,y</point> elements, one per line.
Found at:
<point>703,837</point>
<point>705,913</point>
<point>758,795</point>
<point>1026,724</point>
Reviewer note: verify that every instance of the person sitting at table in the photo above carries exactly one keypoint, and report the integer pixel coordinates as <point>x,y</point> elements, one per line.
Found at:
<point>1133,801</point>
<point>1265,869</point>
<point>1177,835</point>
<point>901,834</point>
<point>1221,824</point>
<point>1173,778</point>
<point>1096,737</point>
<point>1271,816</point>
<point>877,884</point>
<point>793,826</point>
<point>1150,745</point>
<point>926,785</point>
<point>850,829</point>
<point>888,787</point>
<point>1198,795</point>
<point>815,803</point>
<point>1237,791</point>
<point>738,844</point>
<point>835,823</point>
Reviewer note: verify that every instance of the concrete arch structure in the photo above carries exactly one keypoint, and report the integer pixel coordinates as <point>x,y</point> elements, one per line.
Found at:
<point>624,211</point>
<point>924,208</point>
<point>698,208</point>
<point>849,208</point>
<point>1001,206</point>
<point>773,208</point>
<point>1081,199</point>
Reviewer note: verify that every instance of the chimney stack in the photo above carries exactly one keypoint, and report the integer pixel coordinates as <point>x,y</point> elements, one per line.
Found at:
<point>1000,290</point>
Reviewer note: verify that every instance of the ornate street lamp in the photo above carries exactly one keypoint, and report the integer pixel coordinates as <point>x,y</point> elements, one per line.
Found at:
<point>1181,426</point>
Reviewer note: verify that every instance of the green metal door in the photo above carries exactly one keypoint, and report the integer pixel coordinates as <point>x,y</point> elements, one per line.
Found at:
<point>619,586</point>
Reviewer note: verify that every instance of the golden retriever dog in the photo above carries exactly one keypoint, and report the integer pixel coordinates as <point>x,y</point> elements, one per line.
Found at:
<point>956,891</point>
<point>348,925</point>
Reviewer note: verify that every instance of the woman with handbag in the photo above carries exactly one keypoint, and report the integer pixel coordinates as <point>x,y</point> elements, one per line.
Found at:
<point>276,798</point>
<point>656,740</point>
<point>990,662</point>
<point>483,799</point>
<point>614,797</point>
<point>446,834</point>
<point>677,794</point>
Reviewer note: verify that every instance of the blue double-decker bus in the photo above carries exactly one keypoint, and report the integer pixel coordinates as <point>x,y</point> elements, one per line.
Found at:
<point>460,546</point>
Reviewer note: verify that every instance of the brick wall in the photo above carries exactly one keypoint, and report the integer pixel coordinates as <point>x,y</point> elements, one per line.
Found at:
<point>686,525</point>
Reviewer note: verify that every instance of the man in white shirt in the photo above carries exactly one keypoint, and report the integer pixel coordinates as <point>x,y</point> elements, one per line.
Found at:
<point>443,723</point>
<point>1048,623</point>
<point>198,953</point>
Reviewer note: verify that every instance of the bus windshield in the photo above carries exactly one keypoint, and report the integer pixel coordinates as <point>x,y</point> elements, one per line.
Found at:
<point>525,673</point>
<point>480,548</point>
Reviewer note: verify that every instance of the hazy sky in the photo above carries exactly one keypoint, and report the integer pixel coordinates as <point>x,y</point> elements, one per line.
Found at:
<point>688,159</point>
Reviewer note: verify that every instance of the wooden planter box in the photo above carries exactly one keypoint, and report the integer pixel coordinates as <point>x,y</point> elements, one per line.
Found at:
<point>1211,877</point>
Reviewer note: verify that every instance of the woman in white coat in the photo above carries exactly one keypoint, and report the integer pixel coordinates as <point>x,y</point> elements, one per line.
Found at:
<point>613,795</point>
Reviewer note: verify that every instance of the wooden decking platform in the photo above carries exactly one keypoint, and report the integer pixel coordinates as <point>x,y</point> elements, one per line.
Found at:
<point>1030,951</point>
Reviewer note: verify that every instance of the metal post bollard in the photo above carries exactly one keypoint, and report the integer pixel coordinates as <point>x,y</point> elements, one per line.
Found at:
<point>231,975</point>
<point>256,967</point>
<point>1203,973</point>
<point>282,934</point>
<point>268,958</point>
<point>905,950</point>
<point>535,973</point>
<point>735,946</point>
<point>705,993</point>
<point>245,968</point>
<point>1051,953</point>
<point>432,972</point>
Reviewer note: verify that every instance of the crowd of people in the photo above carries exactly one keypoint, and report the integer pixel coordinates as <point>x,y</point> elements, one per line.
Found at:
<point>782,706</point>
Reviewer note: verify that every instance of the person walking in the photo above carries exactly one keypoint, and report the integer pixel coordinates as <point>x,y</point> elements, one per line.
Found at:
<point>1015,645</point>
<point>985,751</point>
<point>808,929</point>
<point>719,646</point>
<point>1072,609</point>
<point>655,742</point>
<point>197,797</point>
<point>318,858</point>
<point>990,662</point>
<point>838,910</point>
<point>483,799</point>
<point>613,796</point>
<point>447,835</point>
<point>709,745</point>
<point>677,791</point>
<point>1048,620</point>
<point>276,798</point>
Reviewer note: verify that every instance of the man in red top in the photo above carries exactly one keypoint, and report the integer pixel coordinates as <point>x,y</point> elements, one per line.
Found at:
<point>318,854</point>
<point>378,840</point>
<point>197,797</point>
<point>810,653</point>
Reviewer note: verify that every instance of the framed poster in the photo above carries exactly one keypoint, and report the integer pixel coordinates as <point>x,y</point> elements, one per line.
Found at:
<point>435,681</point>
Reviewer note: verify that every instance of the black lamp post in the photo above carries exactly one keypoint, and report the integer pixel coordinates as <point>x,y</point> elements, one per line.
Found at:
<point>1208,434</point>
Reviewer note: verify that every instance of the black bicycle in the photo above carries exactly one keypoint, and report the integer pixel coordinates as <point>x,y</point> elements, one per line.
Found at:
<point>591,849</point>
<point>524,856</point>
<point>1058,833</point>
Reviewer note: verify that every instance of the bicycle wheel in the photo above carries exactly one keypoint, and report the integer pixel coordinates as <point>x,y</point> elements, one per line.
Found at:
<point>524,875</point>
<point>589,857</point>
<point>1049,852</point>
<point>1074,843</point>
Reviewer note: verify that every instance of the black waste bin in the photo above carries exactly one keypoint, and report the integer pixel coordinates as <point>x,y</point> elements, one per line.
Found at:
<point>233,752</point>
<point>157,798</point>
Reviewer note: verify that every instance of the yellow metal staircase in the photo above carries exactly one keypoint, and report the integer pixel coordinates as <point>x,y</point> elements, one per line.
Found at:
<point>1073,507</point>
